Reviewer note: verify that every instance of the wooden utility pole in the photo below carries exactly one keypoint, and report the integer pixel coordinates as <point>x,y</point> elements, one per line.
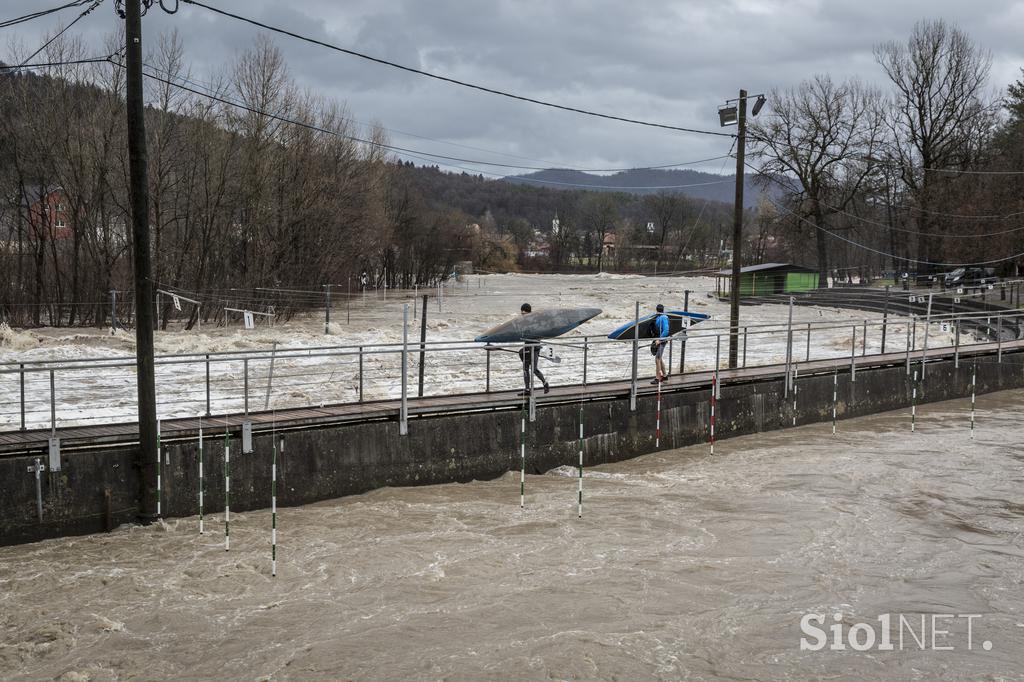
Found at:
<point>139,186</point>
<point>737,234</point>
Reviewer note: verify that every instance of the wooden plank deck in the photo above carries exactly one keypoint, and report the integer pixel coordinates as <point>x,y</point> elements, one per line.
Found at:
<point>36,440</point>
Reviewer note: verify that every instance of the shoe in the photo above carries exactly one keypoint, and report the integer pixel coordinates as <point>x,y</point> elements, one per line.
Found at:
<point>655,381</point>
<point>547,388</point>
<point>523,393</point>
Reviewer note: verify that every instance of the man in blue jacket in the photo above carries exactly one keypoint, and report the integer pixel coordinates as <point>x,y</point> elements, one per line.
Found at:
<point>661,331</point>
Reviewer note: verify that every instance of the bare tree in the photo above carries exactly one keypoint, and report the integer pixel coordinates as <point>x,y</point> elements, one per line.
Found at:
<point>820,138</point>
<point>940,113</point>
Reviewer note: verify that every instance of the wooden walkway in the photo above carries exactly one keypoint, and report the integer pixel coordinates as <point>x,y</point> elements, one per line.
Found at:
<point>120,434</point>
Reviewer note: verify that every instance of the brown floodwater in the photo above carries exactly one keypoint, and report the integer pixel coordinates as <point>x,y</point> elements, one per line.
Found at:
<point>684,565</point>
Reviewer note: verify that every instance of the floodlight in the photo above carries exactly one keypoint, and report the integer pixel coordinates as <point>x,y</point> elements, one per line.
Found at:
<point>757,105</point>
<point>727,116</point>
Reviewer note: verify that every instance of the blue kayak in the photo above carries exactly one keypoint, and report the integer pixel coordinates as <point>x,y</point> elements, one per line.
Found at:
<point>677,321</point>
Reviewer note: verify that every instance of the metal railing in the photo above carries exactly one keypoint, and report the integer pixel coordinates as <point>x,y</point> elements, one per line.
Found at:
<point>55,394</point>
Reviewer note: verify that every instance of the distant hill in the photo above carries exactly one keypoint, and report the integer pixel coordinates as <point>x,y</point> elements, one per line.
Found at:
<point>694,184</point>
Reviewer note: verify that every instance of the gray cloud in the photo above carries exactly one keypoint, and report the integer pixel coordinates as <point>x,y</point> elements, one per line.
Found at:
<point>664,60</point>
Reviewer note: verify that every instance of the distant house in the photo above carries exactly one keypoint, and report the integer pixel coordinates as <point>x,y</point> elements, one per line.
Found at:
<point>768,279</point>
<point>48,211</point>
<point>608,245</point>
<point>538,247</point>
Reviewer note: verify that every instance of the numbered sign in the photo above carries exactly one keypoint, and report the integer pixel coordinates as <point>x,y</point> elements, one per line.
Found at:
<point>960,290</point>
<point>945,326</point>
<point>249,324</point>
<point>991,286</point>
<point>956,300</point>
<point>177,303</point>
<point>913,299</point>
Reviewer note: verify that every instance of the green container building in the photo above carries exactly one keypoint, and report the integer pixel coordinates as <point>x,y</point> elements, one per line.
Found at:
<point>768,279</point>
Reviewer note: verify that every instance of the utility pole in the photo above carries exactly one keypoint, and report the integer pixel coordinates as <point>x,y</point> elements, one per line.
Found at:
<point>737,234</point>
<point>139,185</point>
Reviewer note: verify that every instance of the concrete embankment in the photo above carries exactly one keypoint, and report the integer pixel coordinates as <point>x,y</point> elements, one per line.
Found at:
<point>97,488</point>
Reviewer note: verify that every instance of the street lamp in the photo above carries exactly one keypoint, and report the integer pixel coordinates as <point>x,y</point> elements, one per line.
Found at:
<point>729,115</point>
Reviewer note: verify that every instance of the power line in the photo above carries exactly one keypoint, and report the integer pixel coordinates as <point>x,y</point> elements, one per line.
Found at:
<point>90,8</point>
<point>1015,256</point>
<point>836,209</point>
<point>72,62</point>
<point>41,13</point>
<point>763,139</point>
<point>548,166</point>
<point>454,81</point>
<point>401,150</point>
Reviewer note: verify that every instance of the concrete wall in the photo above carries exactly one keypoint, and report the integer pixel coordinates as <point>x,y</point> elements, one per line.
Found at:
<point>96,489</point>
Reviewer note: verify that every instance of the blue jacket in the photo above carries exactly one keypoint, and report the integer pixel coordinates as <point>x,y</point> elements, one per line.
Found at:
<point>661,322</point>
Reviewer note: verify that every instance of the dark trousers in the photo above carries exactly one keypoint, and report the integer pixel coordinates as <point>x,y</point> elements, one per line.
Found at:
<point>529,356</point>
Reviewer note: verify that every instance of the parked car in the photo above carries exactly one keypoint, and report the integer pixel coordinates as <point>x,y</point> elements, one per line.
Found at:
<point>970,278</point>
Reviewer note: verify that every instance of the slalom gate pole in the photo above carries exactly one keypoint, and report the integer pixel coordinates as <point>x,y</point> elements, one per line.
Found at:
<point>159,456</point>
<point>657,420</point>
<point>273,503</point>
<point>580,500</point>
<point>522,453</point>
<point>200,475</point>
<point>227,491</point>
<point>714,386</point>
<point>835,398</point>
<point>974,373</point>
<point>913,404</point>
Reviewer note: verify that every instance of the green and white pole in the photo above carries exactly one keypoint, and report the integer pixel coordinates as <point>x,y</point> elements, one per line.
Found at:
<point>227,491</point>
<point>580,501</point>
<point>200,475</point>
<point>522,455</point>
<point>159,456</point>
<point>974,373</point>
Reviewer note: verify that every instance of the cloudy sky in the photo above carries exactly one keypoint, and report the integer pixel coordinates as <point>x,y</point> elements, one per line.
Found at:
<point>657,60</point>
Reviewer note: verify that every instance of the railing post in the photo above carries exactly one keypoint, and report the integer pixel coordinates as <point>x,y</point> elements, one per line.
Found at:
<point>245,384</point>
<point>586,349</point>
<point>270,377</point>
<point>487,385</point>
<point>21,375</point>
<point>908,344</point>
<point>999,337</point>
<point>927,325</point>
<point>423,340</point>
<point>360,374</point>
<point>207,384</point>
<point>744,346</point>
<point>956,345</point>
<point>53,406</point>
<point>327,310</point>
<point>864,340</point>
<point>853,354</point>
<point>403,424</point>
<point>885,317</point>
<point>534,357</point>
<point>636,341</point>
<point>718,351</point>
<point>789,348</point>
<point>808,358</point>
